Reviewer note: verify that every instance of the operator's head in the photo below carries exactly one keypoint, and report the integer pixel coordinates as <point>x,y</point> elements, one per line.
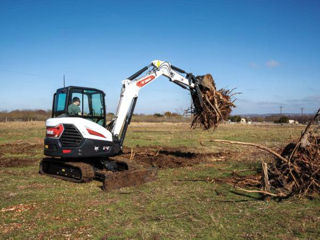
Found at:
<point>76,101</point>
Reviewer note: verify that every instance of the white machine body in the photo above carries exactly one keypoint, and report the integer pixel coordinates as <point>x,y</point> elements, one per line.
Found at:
<point>84,126</point>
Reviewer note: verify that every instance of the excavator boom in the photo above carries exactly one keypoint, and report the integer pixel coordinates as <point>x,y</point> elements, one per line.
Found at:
<point>132,85</point>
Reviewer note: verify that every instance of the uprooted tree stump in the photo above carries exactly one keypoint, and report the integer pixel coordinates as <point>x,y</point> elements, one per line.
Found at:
<point>296,171</point>
<point>217,104</point>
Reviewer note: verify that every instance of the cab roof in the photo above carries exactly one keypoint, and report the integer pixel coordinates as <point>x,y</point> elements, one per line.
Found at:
<point>78,87</point>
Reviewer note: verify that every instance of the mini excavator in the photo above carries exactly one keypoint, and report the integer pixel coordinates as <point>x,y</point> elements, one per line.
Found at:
<point>79,146</point>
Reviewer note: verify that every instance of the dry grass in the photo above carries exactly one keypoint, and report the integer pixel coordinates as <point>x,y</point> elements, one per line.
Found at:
<point>181,204</point>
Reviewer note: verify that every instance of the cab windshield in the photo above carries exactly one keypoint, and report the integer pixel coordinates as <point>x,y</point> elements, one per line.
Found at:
<point>79,102</point>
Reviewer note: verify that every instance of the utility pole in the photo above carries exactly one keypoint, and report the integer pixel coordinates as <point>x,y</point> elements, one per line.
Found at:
<point>302,111</point>
<point>281,107</point>
<point>64,81</point>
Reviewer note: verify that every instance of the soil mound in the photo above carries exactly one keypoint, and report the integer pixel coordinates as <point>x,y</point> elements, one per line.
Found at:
<point>168,157</point>
<point>128,178</point>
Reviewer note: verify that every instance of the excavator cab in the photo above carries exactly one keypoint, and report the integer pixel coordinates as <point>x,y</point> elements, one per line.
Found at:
<point>91,107</point>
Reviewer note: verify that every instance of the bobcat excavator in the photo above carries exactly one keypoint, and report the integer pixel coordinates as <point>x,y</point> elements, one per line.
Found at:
<point>79,146</point>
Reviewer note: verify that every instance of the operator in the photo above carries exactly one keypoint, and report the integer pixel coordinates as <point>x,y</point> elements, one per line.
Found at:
<point>73,108</point>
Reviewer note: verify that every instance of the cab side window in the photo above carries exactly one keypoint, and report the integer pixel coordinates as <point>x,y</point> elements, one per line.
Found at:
<point>61,102</point>
<point>97,105</point>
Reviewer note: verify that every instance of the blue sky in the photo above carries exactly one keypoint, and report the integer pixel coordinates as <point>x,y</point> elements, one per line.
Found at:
<point>268,50</point>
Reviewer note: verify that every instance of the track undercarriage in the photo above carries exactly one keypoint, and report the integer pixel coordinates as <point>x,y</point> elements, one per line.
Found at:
<point>113,174</point>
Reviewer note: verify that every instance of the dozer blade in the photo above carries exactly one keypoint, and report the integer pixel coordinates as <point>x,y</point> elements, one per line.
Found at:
<point>70,171</point>
<point>128,178</point>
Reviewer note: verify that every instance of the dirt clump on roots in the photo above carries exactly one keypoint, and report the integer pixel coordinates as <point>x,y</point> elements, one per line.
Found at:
<point>217,104</point>
<point>18,154</point>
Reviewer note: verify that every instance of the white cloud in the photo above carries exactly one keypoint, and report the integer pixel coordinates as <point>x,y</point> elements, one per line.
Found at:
<point>272,63</point>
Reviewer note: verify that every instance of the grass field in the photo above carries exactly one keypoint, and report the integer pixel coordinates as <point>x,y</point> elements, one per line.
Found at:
<point>179,205</point>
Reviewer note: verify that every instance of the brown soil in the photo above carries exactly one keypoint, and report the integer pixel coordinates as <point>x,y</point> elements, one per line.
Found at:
<point>16,162</point>
<point>144,162</point>
<point>16,149</point>
<point>128,178</point>
<point>169,157</point>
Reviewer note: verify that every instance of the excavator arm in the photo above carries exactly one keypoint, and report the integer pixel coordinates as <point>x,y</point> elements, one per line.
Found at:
<point>132,85</point>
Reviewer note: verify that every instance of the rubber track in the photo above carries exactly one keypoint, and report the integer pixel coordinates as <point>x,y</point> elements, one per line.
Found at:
<point>87,171</point>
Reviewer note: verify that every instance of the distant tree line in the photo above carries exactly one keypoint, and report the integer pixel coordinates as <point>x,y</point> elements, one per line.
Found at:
<point>156,117</point>
<point>24,115</point>
<point>41,115</point>
<point>275,118</point>
<point>235,118</point>
<point>167,115</point>
<point>160,117</point>
<point>282,119</point>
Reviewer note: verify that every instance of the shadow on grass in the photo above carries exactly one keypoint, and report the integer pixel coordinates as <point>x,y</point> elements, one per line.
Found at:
<point>247,195</point>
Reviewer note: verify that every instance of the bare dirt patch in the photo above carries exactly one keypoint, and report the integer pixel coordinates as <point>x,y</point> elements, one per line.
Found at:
<point>145,161</point>
<point>16,148</point>
<point>9,154</point>
<point>16,162</point>
<point>128,178</point>
<point>170,157</point>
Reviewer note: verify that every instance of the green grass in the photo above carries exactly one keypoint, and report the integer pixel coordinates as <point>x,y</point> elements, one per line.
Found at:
<point>173,207</point>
